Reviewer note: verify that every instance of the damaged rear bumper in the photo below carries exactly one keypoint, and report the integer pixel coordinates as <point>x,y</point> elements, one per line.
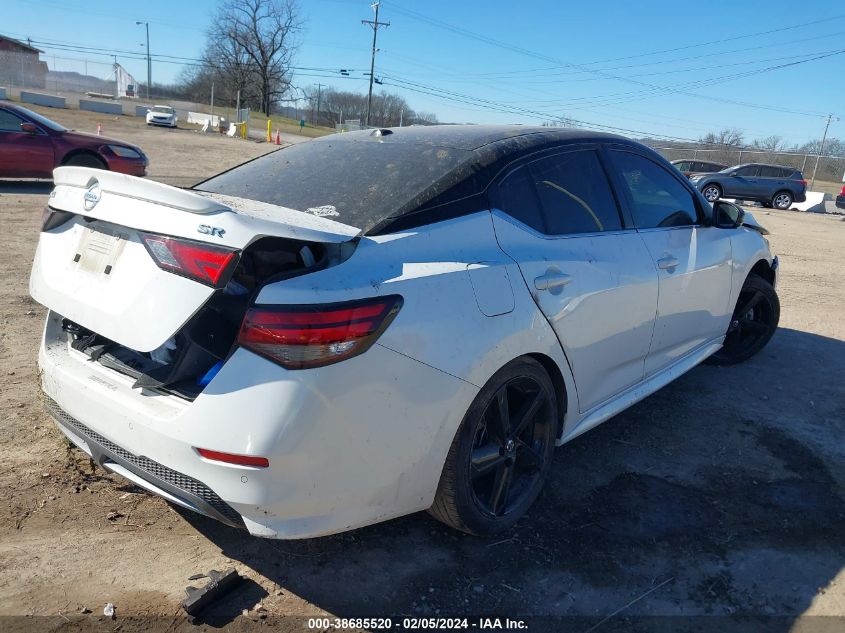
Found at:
<point>348,444</point>
<point>174,486</point>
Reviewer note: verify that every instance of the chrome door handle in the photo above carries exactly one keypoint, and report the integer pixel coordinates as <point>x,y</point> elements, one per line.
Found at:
<point>551,280</point>
<point>667,262</point>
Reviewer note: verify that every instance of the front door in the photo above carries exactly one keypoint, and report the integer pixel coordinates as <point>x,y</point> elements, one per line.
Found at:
<point>693,261</point>
<point>594,281</point>
<point>23,154</point>
<point>741,182</point>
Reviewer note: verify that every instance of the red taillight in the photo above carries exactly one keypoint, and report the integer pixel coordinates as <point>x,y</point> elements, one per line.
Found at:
<point>229,458</point>
<point>206,263</point>
<point>803,183</point>
<point>299,337</point>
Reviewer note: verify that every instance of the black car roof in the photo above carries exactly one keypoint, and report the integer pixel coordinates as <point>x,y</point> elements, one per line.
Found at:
<point>436,187</point>
<point>472,137</point>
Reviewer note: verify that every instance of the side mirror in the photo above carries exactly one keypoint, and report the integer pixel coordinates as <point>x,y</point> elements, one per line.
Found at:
<point>727,215</point>
<point>29,128</point>
<point>734,174</point>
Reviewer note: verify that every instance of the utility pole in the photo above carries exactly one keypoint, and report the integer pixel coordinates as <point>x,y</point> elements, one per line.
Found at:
<point>319,95</point>
<point>149,62</point>
<point>375,24</point>
<point>830,117</point>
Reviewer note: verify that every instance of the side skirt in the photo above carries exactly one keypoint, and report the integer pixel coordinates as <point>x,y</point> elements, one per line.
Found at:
<point>634,394</point>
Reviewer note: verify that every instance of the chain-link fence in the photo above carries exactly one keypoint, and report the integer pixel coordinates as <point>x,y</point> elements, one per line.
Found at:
<point>56,74</point>
<point>830,168</point>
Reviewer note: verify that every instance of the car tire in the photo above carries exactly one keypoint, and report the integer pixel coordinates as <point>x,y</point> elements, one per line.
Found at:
<point>712,192</point>
<point>85,160</point>
<point>494,471</point>
<point>782,200</point>
<point>753,323</point>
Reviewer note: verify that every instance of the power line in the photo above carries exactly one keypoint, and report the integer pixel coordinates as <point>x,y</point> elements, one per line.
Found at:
<point>720,41</point>
<point>660,62</point>
<point>523,51</point>
<point>492,105</point>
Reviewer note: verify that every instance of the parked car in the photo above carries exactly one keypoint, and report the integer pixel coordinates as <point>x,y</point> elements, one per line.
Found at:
<point>840,199</point>
<point>773,185</point>
<point>689,167</point>
<point>31,146</point>
<point>162,115</point>
<point>300,355</point>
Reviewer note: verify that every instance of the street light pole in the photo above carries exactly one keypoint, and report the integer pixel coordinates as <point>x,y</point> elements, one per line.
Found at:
<point>149,62</point>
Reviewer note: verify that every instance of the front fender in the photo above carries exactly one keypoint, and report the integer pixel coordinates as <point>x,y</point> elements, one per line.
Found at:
<point>749,248</point>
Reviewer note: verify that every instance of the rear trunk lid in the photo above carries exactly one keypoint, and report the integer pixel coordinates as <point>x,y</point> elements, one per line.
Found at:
<point>95,270</point>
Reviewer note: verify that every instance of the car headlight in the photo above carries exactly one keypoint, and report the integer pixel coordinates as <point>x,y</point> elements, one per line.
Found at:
<point>124,152</point>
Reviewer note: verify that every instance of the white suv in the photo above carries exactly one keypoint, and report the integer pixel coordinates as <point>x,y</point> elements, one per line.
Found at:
<point>376,323</point>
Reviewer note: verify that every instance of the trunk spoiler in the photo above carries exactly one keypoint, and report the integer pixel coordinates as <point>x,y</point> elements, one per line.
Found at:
<point>81,190</point>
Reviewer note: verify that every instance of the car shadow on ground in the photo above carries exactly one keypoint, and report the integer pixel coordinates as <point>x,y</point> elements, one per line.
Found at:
<point>24,187</point>
<point>722,494</point>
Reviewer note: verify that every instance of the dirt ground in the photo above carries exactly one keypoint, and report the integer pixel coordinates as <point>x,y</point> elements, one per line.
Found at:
<point>721,495</point>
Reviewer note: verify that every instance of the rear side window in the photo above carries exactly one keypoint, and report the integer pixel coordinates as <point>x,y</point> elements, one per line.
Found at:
<point>565,194</point>
<point>575,194</point>
<point>517,197</point>
<point>684,166</point>
<point>658,199</point>
<point>771,172</point>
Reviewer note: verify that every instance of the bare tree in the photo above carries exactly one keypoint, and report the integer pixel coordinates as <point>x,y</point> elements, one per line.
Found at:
<point>771,143</point>
<point>730,137</point>
<point>424,118</point>
<point>388,110</point>
<point>250,47</point>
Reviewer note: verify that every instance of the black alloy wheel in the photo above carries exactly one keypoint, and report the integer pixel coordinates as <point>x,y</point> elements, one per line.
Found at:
<point>752,324</point>
<point>502,452</point>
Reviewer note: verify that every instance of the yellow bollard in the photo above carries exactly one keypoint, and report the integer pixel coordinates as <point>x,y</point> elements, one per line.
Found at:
<point>243,130</point>
<point>269,135</point>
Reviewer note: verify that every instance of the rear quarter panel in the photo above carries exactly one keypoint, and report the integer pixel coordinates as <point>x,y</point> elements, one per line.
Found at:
<point>441,322</point>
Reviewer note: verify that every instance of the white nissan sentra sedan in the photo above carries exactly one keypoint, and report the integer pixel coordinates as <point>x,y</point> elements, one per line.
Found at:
<point>375,323</point>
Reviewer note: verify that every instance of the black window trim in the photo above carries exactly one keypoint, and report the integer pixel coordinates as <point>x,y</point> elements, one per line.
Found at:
<point>23,119</point>
<point>549,152</point>
<point>703,217</point>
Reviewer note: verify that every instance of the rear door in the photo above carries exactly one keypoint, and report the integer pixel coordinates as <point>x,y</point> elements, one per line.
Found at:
<point>773,179</point>
<point>23,154</point>
<point>693,261</point>
<point>592,278</point>
<point>135,259</point>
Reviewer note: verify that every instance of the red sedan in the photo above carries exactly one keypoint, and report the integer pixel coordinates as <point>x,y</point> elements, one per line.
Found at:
<point>31,146</point>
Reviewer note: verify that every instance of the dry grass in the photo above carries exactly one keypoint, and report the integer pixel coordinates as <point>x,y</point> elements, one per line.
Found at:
<point>833,188</point>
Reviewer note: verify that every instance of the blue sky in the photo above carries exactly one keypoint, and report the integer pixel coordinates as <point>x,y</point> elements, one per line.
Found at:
<point>512,62</point>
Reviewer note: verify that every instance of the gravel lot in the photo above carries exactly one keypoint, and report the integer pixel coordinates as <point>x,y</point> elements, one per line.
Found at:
<point>722,494</point>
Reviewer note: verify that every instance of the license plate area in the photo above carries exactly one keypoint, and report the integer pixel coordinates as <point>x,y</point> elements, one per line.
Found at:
<point>99,249</point>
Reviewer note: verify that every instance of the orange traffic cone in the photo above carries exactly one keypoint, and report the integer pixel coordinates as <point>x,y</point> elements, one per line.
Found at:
<point>278,140</point>
<point>99,130</point>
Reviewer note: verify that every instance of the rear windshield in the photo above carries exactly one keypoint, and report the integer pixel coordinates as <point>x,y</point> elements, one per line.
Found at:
<point>360,183</point>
